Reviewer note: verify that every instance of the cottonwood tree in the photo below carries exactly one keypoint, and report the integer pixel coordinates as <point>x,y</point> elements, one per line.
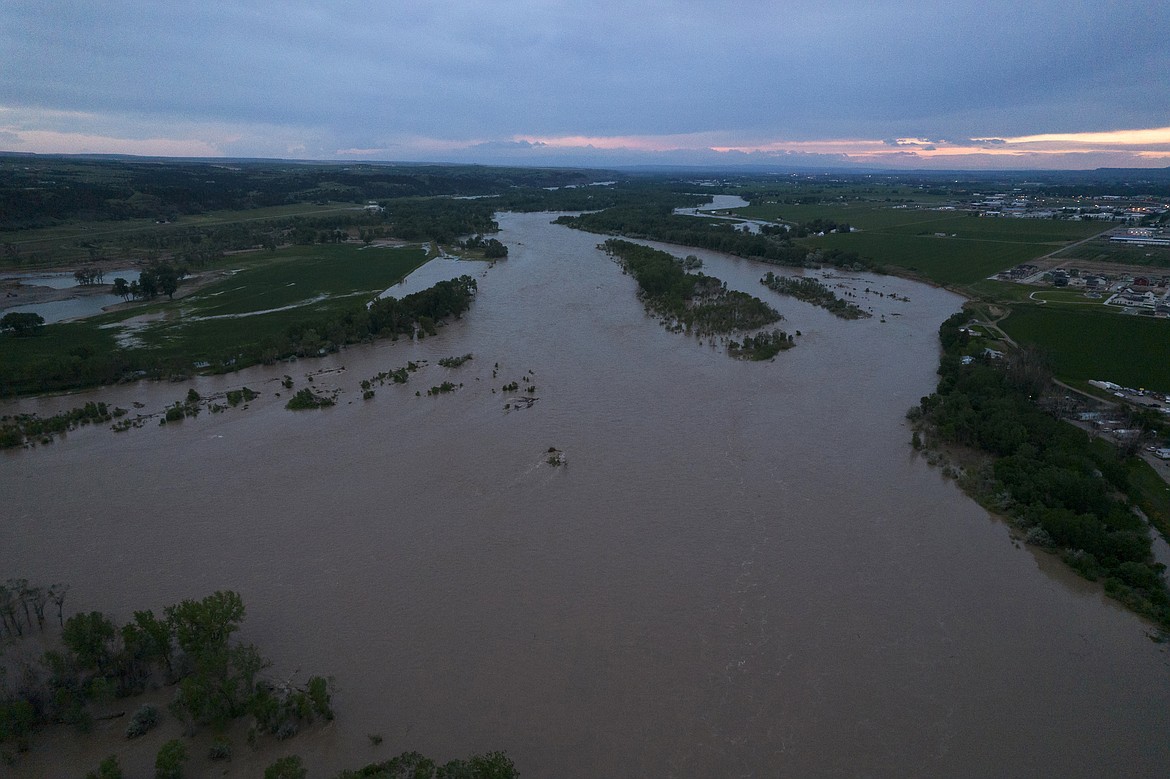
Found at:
<point>89,638</point>
<point>150,640</point>
<point>21,322</point>
<point>57,593</point>
<point>223,677</point>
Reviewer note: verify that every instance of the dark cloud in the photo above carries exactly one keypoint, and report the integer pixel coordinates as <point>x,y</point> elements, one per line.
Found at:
<point>340,75</point>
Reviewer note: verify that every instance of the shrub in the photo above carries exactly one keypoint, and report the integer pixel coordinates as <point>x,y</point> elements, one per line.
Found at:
<point>169,762</point>
<point>286,768</point>
<point>107,769</point>
<point>143,720</point>
<point>221,749</point>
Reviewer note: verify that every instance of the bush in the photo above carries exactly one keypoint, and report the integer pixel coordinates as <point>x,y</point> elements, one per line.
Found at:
<point>1038,536</point>
<point>286,768</point>
<point>221,749</point>
<point>305,398</point>
<point>143,720</point>
<point>108,769</point>
<point>169,762</point>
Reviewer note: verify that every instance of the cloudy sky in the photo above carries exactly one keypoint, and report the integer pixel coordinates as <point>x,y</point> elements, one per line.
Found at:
<point>873,83</point>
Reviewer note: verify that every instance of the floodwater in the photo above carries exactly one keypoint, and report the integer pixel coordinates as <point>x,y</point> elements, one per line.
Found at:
<point>725,203</point>
<point>743,570</point>
<point>89,303</point>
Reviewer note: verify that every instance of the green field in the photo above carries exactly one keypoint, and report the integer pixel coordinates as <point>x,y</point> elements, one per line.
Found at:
<point>949,261</point>
<point>301,273</point>
<point>307,284</point>
<point>947,247</point>
<point>1084,344</point>
<point>1120,254</point>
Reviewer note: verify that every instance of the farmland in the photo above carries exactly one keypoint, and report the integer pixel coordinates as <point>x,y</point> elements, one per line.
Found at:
<point>1084,344</point>
<point>241,301</point>
<point>944,246</point>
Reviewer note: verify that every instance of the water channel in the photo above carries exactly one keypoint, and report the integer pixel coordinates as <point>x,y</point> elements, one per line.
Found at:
<point>743,570</point>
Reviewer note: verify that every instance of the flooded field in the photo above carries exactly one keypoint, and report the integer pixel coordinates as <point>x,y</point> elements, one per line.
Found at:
<point>742,569</point>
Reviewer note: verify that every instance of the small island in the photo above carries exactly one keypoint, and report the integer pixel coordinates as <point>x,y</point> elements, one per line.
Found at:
<point>694,302</point>
<point>813,291</point>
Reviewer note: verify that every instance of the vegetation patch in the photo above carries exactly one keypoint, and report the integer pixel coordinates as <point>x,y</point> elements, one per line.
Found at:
<point>693,301</point>
<point>22,429</point>
<point>813,291</point>
<point>242,395</point>
<point>144,719</point>
<point>305,398</point>
<point>762,346</point>
<point>454,362</point>
<point>218,680</point>
<point>493,765</point>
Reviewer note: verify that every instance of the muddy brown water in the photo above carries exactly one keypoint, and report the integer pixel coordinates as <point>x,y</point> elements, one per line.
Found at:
<point>743,570</point>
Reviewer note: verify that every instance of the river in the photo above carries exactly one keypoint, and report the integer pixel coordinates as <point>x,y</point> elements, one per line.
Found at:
<point>743,570</point>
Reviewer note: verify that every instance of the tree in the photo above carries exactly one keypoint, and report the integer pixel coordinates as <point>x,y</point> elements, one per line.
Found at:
<point>122,288</point>
<point>204,627</point>
<point>21,322</point>
<point>223,677</point>
<point>57,593</point>
<point>38,597</point>
<point>88,637</point>
<point>168,281</point>
<point>494,249</point>
<point>148,283</point>
<point>150,639</point>
<point>8,615</point>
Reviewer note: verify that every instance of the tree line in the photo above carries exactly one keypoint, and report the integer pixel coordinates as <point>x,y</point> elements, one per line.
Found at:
<point>656,221</point>
<point>1064,490</point>
<point>45,191</point>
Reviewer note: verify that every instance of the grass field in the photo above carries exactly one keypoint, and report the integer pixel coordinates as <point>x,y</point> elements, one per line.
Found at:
<point>301,273</point>
<point>1084,344</point>
<point>1102,251</point>
<point>946,247</point>
<point>305,281</point>
<point>949,261</point>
